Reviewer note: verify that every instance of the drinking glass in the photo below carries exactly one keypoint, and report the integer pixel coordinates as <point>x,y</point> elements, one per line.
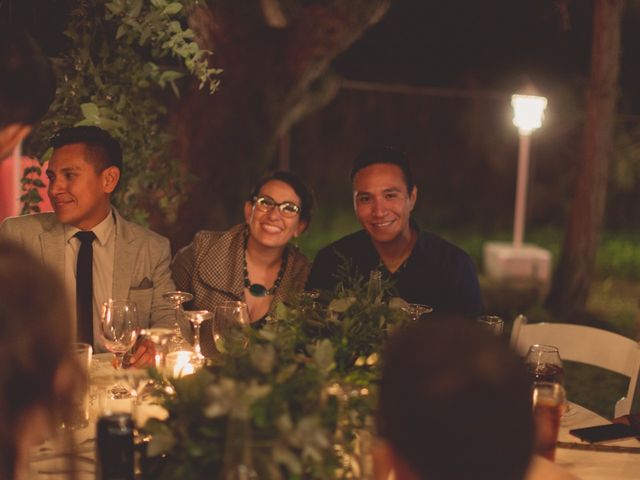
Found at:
<point>493,323</point>
<point>416,310</point>
<point>177,298</point>
<point>230,319</point>
<point>544,364</point>
<point>196,317</point>
<point>79,412</point>
<point>548,404</point>
<point>119,328</point>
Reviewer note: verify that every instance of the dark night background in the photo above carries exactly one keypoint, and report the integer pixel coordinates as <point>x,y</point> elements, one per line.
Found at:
<point>463,146</point>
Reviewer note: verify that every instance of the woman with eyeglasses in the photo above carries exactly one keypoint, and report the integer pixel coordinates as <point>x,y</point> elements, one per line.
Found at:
<point>252,262</point>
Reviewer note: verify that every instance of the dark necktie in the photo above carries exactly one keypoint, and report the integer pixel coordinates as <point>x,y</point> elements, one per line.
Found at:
<point>84,287</point>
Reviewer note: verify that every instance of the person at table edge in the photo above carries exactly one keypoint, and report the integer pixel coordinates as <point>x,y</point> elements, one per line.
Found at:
<point>426,269</point>
<point>27,87</point>
<point>129,261</point>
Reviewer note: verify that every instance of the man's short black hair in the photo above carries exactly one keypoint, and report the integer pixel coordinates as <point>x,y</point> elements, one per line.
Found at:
<point>104,150</point>
<point>452,395</point>
<point>391,155</point>
<point>27,82</point>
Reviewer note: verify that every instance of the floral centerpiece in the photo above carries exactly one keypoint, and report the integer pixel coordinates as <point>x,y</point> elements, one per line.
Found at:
<point>283,401</point>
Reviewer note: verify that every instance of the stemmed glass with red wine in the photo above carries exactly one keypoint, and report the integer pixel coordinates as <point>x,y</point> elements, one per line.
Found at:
<point>544,364</point>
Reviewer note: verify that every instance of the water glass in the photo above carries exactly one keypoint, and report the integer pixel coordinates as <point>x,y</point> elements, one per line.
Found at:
<point>79,413</point>
<point>229,322</point>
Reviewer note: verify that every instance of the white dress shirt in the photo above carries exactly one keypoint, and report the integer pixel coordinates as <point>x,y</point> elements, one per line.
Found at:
<point>103,260</point>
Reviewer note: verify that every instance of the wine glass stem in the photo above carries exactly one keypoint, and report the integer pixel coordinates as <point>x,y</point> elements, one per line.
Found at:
<point>118,360</point>
<point>196,339</point>
<point>176,325</point>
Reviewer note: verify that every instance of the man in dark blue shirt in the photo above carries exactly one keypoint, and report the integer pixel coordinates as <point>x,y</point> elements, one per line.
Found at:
<point>425,268</point>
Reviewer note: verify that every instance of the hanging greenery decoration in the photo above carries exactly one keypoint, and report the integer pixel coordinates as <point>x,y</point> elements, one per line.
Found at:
<point>123,55</point>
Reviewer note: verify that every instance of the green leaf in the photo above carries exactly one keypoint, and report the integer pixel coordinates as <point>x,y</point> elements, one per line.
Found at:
<point>171,75</point>
<point>172,8</point>
<point>341,305</point>
<point>263,357</point>
<point>115,7</point>
<point>323,355</point>
<point>122,30</point>
<point>90,111</point>
<point>162,439</point>
<point>136,8</point>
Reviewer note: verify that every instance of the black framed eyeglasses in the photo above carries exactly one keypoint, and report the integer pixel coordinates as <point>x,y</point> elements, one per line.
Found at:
<point>265,204</point>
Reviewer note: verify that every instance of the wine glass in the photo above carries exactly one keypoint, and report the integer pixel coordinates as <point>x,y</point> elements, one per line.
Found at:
<point>230,319</point>
<point>544,364</point>
<point>177,298</point>
<point>196,317</point>
<point>119,329</point>
<point>416,310</point>
<point>493,323</point>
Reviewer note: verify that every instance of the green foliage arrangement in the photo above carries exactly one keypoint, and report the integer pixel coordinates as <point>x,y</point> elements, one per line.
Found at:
<point>123,54</point>
<point>296,402</point>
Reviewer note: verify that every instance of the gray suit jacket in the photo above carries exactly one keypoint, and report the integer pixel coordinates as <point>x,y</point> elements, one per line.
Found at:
<point>141,265</point>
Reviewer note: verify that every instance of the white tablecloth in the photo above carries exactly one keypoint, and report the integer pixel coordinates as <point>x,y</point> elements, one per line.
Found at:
<point>47,461</point>
<point>594,465</point>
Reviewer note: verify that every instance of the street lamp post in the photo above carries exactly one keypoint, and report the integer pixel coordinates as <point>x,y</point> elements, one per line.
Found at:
<point>528,111</point>
<point>511,263</point>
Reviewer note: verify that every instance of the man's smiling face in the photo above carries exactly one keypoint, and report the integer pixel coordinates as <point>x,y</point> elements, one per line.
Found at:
<point>382,203</point>
<point>79,194</point>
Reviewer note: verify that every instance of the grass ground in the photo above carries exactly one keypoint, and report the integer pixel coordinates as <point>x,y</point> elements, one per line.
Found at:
<point>613,302</point>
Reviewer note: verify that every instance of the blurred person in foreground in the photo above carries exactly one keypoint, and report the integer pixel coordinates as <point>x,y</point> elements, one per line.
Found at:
<point>455,404</point>
<point>425,268</point>
<point>38,373</point>
<point>120,259</point>
<point>252,262</point>
<point>27,87</point>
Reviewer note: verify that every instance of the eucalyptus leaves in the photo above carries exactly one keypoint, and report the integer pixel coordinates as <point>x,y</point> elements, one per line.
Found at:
<point>123,52</point>
<point>295,396</point>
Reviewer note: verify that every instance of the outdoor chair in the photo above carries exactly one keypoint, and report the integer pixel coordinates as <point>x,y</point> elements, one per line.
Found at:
<point>579,343</point>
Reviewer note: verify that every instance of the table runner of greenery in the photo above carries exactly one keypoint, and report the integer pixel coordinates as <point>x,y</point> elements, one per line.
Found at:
<point>288,404</point>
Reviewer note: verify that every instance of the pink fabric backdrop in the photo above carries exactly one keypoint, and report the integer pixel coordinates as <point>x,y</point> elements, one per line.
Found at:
<point>10,189</point>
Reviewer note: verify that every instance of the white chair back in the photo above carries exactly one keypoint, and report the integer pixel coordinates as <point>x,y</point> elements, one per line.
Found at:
<point>579,343</point>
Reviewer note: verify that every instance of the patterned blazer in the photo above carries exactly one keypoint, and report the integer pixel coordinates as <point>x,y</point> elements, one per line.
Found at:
<point>211,269</point>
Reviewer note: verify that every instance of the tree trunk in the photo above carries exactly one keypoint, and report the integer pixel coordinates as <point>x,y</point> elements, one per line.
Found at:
<point>574,274</point>
<point>276,56</point>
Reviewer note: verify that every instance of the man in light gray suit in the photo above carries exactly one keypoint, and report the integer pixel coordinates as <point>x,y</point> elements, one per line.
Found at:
<point>126,261</point>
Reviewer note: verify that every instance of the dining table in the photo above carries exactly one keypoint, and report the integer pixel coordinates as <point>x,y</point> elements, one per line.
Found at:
<point>574,458</point>
<point>49,461</point>
<point>619,459</point>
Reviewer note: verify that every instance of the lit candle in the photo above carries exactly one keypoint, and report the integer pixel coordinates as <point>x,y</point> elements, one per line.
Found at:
<point>179,363</point>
